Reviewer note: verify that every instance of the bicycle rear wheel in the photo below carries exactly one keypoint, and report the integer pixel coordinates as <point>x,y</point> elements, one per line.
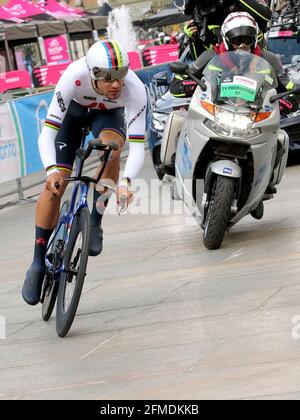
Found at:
<point>50,286</point>
<point>72,279</point>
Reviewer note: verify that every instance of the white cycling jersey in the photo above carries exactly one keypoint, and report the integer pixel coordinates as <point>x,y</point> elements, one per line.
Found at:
<point>75,84</point>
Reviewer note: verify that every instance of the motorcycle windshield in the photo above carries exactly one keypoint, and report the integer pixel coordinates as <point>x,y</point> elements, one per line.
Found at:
<point>239,77</point>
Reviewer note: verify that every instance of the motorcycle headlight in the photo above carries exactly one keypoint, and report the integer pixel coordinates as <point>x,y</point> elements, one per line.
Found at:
<point>159,121</point>
<point>229,124</point>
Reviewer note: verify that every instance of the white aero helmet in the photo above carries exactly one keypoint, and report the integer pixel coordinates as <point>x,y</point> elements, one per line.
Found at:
<point>107,60</point>
<point>239,28</point>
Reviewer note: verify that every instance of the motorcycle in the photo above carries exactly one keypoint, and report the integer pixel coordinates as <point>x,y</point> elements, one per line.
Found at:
<point>229,150</point>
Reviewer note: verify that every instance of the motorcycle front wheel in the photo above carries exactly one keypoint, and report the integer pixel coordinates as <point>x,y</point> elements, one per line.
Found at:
<point>219,211</point>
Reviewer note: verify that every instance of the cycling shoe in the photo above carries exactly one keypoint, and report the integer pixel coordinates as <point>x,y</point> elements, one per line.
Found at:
<point>96,240</point>
<point>33,283</point>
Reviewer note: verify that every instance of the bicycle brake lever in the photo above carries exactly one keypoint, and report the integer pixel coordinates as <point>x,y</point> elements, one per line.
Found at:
<point>109,187</point>
<point>123,204</point>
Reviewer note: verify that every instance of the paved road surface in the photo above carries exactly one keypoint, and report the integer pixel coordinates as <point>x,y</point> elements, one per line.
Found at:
<point>160,316</point>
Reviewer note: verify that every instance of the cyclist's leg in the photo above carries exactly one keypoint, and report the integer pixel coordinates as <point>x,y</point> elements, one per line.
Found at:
<point>47,210</point>
<point>110,126</point>
<point>48,205</point>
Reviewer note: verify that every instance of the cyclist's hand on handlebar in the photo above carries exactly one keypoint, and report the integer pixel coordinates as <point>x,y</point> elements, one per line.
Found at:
<point>54,183</point>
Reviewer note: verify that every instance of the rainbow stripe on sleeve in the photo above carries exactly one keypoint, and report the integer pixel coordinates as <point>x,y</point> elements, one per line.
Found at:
<point>60,167</point>
<point>52,124</point>
<point>137,138</point>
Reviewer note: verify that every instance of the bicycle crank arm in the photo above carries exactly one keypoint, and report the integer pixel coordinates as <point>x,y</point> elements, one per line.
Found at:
<point>71,272</point>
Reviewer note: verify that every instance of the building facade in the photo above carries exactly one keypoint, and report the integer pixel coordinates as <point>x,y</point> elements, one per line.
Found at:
<point>137,8</point>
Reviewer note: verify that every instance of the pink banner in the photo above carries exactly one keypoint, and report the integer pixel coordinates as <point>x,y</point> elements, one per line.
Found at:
<point>6,15</point>
<point>48,75</point>
<point>23,9</point>
<point>60,10</point>
<point>19,79</point>
<point>135,60</point>
<point>161,54</point>
<point>57,50</point>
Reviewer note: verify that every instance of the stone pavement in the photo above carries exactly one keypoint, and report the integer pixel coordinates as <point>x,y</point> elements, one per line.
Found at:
<point>161,317</point>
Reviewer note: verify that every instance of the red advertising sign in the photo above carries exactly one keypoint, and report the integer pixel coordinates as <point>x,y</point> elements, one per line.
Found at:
<point>161,54</point>
<point>6,15</point>
<point>57,50</point>
<point>135,60</point>
<point>60,10</point>
<point>14,80</point>
<point>48,75</point>
<point>23,9</point>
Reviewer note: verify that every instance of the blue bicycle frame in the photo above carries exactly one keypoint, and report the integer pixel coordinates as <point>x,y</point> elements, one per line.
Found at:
<point>82,183</point>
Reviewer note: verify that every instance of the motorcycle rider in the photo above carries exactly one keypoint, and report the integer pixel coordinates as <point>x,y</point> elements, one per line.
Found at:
<point>204,37</point>
<point>240,31</point>
<point>215,12</point>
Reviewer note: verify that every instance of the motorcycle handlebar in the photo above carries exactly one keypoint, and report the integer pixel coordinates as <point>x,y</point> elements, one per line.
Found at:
<point>275,98</point>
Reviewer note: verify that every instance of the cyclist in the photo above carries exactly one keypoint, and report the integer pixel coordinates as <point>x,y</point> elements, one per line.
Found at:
<point>93,92</point>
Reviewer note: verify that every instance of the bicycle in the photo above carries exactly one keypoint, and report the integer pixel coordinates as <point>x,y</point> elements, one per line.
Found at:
<point>67,252</point>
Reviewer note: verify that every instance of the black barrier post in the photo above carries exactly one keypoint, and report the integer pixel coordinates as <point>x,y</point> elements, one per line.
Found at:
<point>7,50</point>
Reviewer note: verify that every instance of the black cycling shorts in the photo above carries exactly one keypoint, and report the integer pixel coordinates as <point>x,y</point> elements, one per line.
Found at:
<point>69,136</point>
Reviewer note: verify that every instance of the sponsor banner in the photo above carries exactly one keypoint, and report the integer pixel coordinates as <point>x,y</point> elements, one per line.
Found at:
<point>6,15</point>
<point>161,54</point>
<point>11,148</point>
<point>30,113</point>
<point>48,75</point>
<point>18,79</point>
<point>25,10</point>
<point>61,10</point>
<point>57,50</point>
<point>135,60</point>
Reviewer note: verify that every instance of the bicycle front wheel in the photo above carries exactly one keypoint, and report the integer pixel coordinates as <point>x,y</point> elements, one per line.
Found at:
<point>50,286</point>
<point>72,279</point>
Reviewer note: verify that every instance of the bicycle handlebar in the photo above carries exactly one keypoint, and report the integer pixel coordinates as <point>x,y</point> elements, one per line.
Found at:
<point>98,145</point>
<point>95,144</point>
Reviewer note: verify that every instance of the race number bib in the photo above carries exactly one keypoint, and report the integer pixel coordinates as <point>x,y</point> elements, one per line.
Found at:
<point>241,87</point>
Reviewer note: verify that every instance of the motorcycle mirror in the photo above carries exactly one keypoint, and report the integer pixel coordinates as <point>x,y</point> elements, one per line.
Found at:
<point>179,68</point>
<point>161,79</point>
<point>296,91</point>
